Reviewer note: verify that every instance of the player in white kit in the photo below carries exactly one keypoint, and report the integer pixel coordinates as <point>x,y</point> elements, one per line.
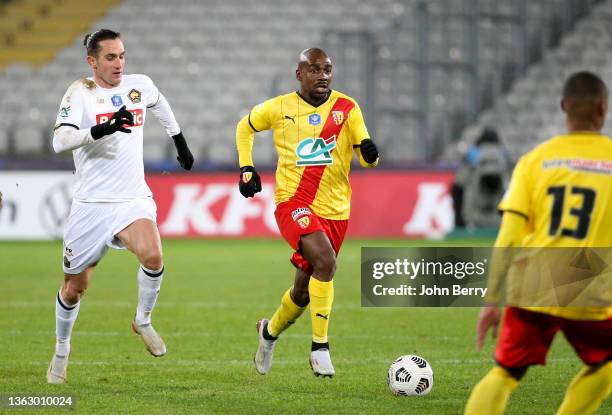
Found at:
<point>101,120</point>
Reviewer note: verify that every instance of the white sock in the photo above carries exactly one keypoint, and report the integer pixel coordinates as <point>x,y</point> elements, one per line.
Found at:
<point>149,282</point>
<point>65,316</point>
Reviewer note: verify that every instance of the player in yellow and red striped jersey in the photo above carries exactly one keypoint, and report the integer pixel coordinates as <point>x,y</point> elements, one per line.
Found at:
<point>316,132</point>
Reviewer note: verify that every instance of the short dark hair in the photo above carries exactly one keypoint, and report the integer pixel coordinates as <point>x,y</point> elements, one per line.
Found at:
<point>582,92</point>
<point>92,40</point>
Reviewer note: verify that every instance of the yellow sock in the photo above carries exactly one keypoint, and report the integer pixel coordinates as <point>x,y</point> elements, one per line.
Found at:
<point>321,299</point>
<point>491,394</point>
<point>587,391</point>
<point>285,315</point>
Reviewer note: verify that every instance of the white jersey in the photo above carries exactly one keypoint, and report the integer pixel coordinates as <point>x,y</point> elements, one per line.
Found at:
<point>111,169</point>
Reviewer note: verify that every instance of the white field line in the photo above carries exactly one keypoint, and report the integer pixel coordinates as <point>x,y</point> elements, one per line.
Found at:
<point>249,362</point>
<point>128,333</point>
<point>162,304</point>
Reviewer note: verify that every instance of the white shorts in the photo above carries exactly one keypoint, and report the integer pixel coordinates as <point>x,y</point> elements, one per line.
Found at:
<point>92,228</point>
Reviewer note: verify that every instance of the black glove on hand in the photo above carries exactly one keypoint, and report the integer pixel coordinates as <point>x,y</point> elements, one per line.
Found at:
<point>185,158</point>
<point>250,182</point>
<point>116,123</point>
<point>369,152</point>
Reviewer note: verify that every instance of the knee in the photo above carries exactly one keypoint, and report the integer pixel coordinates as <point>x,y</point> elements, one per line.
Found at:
<point>153,259</point>
<point>325,267</point>
<point>300,296</point>
<point>73,291</point>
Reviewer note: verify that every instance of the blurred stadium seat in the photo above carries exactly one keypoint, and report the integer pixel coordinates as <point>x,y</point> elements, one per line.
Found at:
<point>215,59</point>
<point>529,113</point>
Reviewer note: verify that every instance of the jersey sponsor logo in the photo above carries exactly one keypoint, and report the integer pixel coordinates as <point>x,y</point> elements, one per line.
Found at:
<point>580,164</point>
<point>116,100</point>
<point>319,155</point>
<point>315,151</point>
<point>303,222</point>
<point>300,212</point>
<point>64,112</point>
<point>314,119</point>
<point>134,96</point>
<point>137,113</point>
<point>338,117</point>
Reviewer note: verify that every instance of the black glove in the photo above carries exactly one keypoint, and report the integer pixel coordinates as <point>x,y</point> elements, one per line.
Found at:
<point>369,152</point>
<point>116,123</point>
<point>250,182</point>
<point>185,158</point>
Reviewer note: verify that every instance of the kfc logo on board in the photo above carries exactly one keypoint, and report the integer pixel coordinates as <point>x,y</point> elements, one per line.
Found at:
<point>216,209</point>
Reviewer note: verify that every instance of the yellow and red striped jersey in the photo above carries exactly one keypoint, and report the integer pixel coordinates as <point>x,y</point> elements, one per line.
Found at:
<point>314,146</point>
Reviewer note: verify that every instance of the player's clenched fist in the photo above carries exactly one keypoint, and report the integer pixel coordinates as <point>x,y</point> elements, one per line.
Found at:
<point>114,124</point>
<point>250,182</point>
<point>369,152</point>
<point>185,158</point>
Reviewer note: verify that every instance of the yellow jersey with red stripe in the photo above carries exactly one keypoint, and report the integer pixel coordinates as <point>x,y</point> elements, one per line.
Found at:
<point>564,189</point>
<point>314,145</point>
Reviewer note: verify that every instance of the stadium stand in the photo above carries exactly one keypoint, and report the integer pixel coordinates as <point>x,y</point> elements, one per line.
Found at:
<point>34,30</point>
<point>440,63</point>
<point>529,113</point>
<point>215,59</point>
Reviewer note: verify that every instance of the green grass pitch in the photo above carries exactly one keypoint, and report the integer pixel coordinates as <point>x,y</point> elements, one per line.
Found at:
<point>213,293</point>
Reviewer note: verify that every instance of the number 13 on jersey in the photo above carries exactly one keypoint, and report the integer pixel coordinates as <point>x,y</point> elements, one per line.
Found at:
<point>582,212</point>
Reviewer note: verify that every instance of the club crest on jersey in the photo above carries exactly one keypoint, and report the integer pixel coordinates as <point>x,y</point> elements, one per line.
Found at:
<point>134,96</point>
<point>303,222</point>
<point>314,119</point>
<point>116,100</point>
<point>338,117</point>
<point>315,151</point>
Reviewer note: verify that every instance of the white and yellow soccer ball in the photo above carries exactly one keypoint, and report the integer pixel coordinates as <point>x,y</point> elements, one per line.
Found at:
<point>410,375</point>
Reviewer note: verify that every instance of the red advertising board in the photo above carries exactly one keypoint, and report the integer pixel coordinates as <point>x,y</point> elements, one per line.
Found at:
<point>385,204</point>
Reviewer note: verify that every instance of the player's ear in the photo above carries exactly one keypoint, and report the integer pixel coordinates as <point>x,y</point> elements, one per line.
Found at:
<point>92,62</point>
<point>298,74</point>
<point>603,107</point>
<point>563,107</point>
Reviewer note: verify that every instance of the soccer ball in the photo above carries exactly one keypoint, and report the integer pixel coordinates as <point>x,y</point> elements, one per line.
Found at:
<point>410,375</point>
